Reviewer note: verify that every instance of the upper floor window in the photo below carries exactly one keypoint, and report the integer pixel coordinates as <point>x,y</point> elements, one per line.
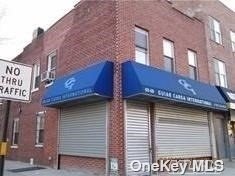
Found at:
<point>40,119</point>
<point>15,132</point>
<point>141,46</point>
<point>232,36</point>
<point>192,61</point>
<point>215,30</point>
<point>36,77</point>
<point>168,52</point>
<point>220,73</point>
<point>49,75</point>
<point>51,62</point>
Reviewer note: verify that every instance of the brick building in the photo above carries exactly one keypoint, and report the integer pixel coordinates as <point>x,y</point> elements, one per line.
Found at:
<point>103,110</point>
<point>220,39</point>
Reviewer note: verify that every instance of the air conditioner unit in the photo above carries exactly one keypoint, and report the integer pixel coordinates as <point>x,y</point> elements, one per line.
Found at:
<point>47,76</point>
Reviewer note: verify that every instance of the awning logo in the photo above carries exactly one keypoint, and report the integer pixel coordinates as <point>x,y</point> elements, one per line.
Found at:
<point>187,86</point>
<point>70,83</point>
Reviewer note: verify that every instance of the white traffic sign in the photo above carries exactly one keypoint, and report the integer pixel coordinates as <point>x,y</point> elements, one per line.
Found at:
<point>15,81</point>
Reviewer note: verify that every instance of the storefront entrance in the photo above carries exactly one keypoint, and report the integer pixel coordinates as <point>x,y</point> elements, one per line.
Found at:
<point>177,126</point>
<point>83,135</point>
<point>220,137</point>
<point>181,132</point>
<point>171,132</point>
<point>138,138</point>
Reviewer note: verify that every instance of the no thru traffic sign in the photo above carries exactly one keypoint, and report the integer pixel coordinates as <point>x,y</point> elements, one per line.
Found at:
<point>15,81</point>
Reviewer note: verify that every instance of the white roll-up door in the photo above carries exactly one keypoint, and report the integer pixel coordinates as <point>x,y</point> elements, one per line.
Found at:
<point>137,135</point>
<point>83,130</point>
<point>181,132</point>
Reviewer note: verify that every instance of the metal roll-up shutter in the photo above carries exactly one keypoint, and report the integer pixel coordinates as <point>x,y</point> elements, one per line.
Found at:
<point>137,135</point>
<point>181,132</point>
<point>83,130</point>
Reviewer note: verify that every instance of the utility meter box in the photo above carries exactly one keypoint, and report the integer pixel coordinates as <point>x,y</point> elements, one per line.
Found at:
<point>3,148</point>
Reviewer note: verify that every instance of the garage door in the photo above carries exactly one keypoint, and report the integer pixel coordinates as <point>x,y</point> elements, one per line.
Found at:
<point>137,135</point>
<point>83,130</point>
<point>181,132</point>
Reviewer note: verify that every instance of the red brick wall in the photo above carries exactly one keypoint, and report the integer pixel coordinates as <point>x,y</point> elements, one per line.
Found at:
<point>91,37</point>
<point>83,37</point>
<point>37,51</point>
<point>226,17</point>
<point>93,31</point>
<point>162,21</point>
<point>86,164</point>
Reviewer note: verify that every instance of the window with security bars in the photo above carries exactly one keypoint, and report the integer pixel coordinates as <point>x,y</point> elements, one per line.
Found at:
<point>40,120</point>
<point>141,46</point>
<point>15,132</point>
<point>192,61</point>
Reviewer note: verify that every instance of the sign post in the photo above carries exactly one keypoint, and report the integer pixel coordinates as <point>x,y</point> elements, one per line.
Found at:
<point>15,84</point>
<point>4,135</point>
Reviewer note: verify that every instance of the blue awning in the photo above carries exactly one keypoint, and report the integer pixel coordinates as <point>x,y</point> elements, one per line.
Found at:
<point>229,96</point>
<point>93,82</point>
<point>144,81</point>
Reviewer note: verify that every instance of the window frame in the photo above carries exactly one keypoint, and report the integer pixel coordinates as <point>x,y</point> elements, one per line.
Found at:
<point>195,66</point>
<point>36,74</point>
<point>219,74</point>
<point>232,34</point>
<point>169,57</point>
<point>49,59</point>
<point>141,49</point>
<point>39,117</point>
<point>14,132</point>
<point>214,32</point>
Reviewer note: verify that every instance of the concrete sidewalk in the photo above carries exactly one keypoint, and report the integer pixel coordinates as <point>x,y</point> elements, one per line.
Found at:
<point>229,170</point>
<point>9,165</point>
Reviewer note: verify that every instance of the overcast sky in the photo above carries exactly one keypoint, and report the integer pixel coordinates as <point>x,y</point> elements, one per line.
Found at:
<point>18,19</point>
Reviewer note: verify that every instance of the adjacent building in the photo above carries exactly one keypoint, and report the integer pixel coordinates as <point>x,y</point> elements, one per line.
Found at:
<point>117,81</point>
<point>219,23</point>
